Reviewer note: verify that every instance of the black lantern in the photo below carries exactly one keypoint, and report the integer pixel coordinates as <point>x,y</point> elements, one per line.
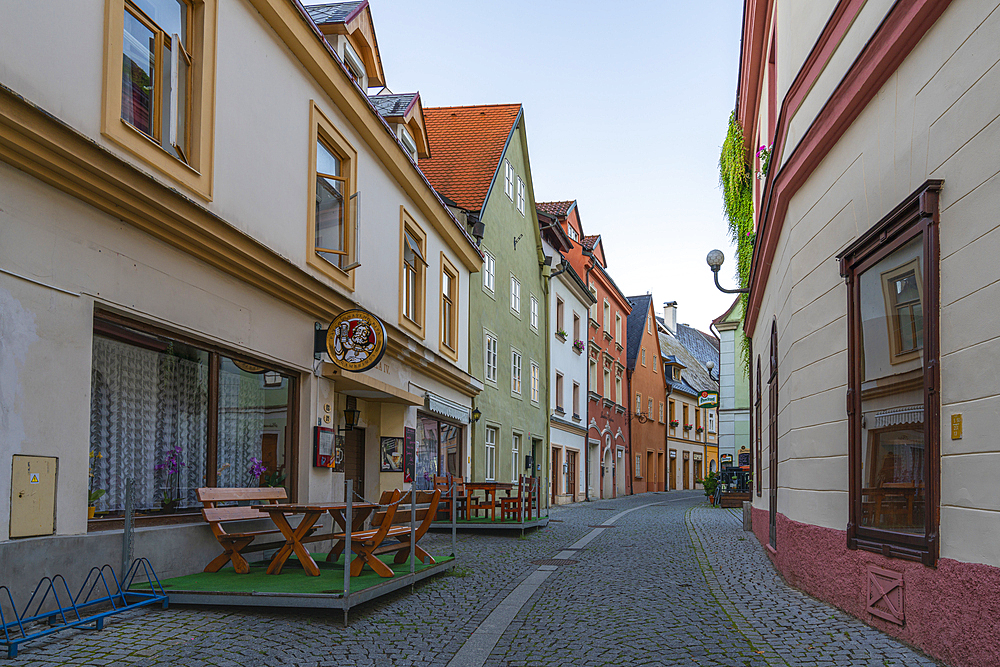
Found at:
<point>351,416</point>
<point>476,414</point>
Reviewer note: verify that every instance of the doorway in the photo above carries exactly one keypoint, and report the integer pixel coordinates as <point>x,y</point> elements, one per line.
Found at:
<point>686,466</point>
<point>571,475</point>
<point>607,472</point>
<point>555,474</point>
<point>660,486</point>
<point>650,472</point>
<point>673,471</point>
<point>354,459</point>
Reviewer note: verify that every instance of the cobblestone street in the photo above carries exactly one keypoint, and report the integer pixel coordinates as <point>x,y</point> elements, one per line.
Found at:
<point>645,590</point>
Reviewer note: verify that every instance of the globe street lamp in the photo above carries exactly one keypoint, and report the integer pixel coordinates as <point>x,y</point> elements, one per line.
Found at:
<point>715,260</point>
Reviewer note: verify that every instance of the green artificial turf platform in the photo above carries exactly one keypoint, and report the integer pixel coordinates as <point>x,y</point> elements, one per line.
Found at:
<point>292,580</point>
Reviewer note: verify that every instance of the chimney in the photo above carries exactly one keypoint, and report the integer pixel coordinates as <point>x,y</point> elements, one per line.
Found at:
<point>670,316</point>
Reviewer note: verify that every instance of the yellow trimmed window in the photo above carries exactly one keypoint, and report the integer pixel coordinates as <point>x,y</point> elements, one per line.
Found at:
<point>413,275</point>
<point>449,308</point>
<point>159,81</point>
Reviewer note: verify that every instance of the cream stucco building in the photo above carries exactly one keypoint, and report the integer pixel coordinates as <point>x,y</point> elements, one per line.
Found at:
<point>169,245</point>
<point>870,309</point>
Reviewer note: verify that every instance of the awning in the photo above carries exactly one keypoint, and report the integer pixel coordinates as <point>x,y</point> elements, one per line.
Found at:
<point>911,414</point>
<point>445,408</point>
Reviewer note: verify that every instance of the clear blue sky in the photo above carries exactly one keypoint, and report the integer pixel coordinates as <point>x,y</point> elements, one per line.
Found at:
<point>625,103</point>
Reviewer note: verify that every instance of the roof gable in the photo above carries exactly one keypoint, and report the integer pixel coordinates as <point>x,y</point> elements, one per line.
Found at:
<point>353,20</point>
<point>467,145</point>
<point>405,108</point>
<point>637,325</point>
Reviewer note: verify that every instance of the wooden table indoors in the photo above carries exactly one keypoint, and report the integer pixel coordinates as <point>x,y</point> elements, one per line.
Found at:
<point>297,537</point>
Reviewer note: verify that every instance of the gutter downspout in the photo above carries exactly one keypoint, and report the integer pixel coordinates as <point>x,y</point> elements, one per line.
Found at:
<point>586,451</point>
<point>666,440</point>
<point>628,467</point>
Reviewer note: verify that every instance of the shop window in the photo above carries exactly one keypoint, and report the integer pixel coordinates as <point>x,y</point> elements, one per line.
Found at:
<point>439,451</point>
<point>158,85</point>
<point>893,405</point>
<point>174,415</point>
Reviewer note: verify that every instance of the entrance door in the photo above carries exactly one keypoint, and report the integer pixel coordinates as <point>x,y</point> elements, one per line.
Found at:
<point>650,472</point>
<point>607,473</point>
<point>673,473</point>
<point>354,459</point>
<point>556,474</point>
<point>685,474</point>
<point>571,475</point>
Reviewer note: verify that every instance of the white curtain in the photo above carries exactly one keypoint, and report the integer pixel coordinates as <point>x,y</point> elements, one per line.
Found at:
<point>144,404</point>
<point>241,425</point>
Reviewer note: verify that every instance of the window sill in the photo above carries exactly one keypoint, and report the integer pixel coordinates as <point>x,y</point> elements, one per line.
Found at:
<point>560,336</point>
<point>576,417</point>
<point>595,324</point>
<point>608,336</point>
<point>593,396</point>
<point>620,409</point>
<point>560,411</point>
<point>619,346</point>
<point>143,520</point>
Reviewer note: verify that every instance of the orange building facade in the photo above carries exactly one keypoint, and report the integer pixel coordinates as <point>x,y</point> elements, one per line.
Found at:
<point>647,395</point>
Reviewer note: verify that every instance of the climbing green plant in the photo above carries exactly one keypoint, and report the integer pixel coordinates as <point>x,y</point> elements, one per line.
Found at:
<point>736,179</point>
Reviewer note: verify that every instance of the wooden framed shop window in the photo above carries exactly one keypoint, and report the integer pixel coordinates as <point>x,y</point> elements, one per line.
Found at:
<point>893,401</point>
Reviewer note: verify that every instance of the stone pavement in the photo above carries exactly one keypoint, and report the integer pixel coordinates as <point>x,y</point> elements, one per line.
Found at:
<point>670,583</point>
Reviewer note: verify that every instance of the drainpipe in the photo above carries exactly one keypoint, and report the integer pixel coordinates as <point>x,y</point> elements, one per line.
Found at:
<point>628,416</point>
<point>666,439</point>
<point>586,450</point>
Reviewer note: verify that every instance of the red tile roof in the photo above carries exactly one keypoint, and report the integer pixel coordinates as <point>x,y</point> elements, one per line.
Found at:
<point>466,145</point>
<point>589,241</point>
<point>559,208</point>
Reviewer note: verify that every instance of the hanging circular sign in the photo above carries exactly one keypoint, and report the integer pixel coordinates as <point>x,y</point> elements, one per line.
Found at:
<point>356,340</point>
<point>249,368</point>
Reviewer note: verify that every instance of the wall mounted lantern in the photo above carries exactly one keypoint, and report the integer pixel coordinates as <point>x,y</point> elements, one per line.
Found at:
<point>715,260</point>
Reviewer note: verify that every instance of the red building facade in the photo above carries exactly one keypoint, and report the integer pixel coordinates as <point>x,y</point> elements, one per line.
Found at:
<point>605,336</point>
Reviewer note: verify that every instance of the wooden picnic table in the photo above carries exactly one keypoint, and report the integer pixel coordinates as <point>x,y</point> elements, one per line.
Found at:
<point>489,490</point>
<point>296,537</point>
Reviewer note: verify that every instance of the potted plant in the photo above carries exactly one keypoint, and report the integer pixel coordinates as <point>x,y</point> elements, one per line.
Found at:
<point>171,467</point>
<point>710,483</point>
<point>92,498</point>
<point>254,472</point>
<point>561,333</point>
<point>275,478</point>
<point>674,423</point>
<point>688,427</point>
<point>700,430</point>
<point>578,345</point>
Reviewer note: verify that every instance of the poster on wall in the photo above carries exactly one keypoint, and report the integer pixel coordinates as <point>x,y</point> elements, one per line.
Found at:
<point>392,454</point>
<point>409,453</point>
<point>323,448</point>
<point>338,454</point>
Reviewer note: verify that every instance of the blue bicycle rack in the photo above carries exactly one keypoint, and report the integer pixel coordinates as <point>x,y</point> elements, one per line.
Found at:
<point>72,612</point>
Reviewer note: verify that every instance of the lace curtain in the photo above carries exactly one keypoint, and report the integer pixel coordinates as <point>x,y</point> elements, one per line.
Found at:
<point>241,424</point>
<point>145,405</point>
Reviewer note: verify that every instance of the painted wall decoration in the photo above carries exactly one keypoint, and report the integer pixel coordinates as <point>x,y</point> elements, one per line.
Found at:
<point>409,453</point>
<point>356,340</point>
<point>392,454</point>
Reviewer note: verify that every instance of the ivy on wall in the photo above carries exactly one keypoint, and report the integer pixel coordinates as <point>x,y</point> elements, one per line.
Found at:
<point>736,179</point>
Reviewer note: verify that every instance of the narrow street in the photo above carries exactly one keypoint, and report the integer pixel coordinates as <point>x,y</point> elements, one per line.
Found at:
<point>668,581</point>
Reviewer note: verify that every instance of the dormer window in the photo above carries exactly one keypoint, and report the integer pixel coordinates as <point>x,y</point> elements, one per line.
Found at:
<point>408,143</point>
<point>573,235</point>
<point>355,67</point>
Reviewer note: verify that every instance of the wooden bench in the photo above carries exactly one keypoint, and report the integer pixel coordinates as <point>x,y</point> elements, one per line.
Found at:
<point>393,523</point>
<point>237,543</point>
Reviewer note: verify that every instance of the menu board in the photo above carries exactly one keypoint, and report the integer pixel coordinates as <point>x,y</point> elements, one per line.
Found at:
<point>392,454</point>
<point>409,453</point>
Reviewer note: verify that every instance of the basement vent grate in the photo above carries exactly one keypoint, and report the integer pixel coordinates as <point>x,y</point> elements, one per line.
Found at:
<point>554,561</point>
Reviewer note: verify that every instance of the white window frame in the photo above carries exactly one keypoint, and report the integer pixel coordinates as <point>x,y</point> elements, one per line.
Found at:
<point>515,455</point>
<point>515,295</point>
<point>638,466</point>
<point>638,403</point>
<point>618,390</point>
<point>607,383</point>
<point>515,371</point>
<point>508,181</point>
<point>536,382</point>
<point>490,473</point>
<point>490,361</point>
<point>618,328</point>
<point>534,313</point>
<point>489,272</point>
<point>520,195</point>
<point>572,233</point>
<point>711,421</point>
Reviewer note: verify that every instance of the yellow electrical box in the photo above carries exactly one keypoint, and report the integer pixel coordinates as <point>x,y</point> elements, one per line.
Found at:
<point>33,496</point>
<point>956,426</point>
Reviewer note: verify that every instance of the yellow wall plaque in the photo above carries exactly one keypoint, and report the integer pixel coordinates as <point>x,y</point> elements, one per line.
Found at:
<point>356,340</point>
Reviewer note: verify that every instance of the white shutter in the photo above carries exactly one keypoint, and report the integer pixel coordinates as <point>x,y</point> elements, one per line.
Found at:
<point>175,55</point>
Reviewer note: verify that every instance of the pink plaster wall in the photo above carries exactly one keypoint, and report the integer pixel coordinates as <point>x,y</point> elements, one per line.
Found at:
<point>952,611</point>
